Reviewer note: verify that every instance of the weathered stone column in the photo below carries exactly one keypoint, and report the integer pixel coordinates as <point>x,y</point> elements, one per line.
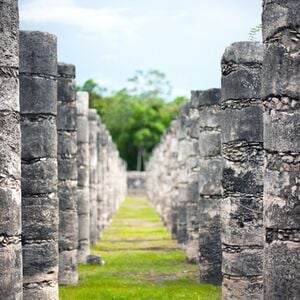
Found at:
<point>93,174</point>
<point>192,167</point>
<point>242,150</point>
<point>83,198</point>
<point>182,177</point>
<point>10,154</point>
<point>209,184</point>
<point>99,177</point>
<point>38,98</point>
<point>67,174</point>
<point>174,180</point>
<point>281,97</point>
<point>102,165</point>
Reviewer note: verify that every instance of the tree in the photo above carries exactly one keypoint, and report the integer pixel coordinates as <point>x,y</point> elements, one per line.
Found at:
<point>136,116</point>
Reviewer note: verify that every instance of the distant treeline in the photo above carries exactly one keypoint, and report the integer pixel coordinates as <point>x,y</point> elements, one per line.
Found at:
<point>136,116</point>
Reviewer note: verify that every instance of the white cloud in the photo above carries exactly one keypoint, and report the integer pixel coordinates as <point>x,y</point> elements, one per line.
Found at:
<point>101,21</point>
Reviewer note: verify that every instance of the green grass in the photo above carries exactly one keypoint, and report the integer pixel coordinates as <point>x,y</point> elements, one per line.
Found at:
<point>141,263</point>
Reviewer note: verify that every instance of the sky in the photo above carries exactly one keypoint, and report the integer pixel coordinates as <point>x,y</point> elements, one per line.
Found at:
<point>109,40</point>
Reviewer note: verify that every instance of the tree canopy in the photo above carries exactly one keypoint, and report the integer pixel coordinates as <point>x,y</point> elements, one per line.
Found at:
<point>136,116</point>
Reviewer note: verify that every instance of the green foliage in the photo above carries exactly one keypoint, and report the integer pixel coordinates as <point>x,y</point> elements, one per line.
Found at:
<point>254,32</point>
<point>136,116</point>
<point>142,262</point>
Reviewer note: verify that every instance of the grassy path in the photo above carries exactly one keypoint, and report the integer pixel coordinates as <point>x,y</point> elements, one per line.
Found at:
<point>142,263</point>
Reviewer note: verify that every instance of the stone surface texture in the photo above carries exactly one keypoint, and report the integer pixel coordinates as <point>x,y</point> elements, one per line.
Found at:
<point>242,150</point>
<point>10,154</point>
<point>209,183</point>
<point>83,163</point>
<point>67,174</point>
<point>281,99</point>
<point>38,100</point>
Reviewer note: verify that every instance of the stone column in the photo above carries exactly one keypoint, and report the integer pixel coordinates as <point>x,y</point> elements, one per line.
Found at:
<point>83,193</point>
<point>67,174</point>
<point>174,191</point>
<point>242,150</point>
<point>93,174</point>
<point>38,99</point>
<point>99,177</point>
<point>182,177</point>
<point>10,154</point>
<point>281,98</point>
<point>210,184</point>
<point>192,167</point>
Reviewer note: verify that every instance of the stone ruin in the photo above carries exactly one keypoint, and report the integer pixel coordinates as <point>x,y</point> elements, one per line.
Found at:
<point>61,177</point>
<point>227,169</point>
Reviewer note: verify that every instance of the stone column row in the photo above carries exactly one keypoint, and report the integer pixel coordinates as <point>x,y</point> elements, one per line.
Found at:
<point>242,157</point>
<point>45,168</point>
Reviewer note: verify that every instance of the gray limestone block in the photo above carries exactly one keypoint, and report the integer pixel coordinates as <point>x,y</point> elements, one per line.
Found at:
<point>209,143</point>
<point>83,251</point>
<point>66,89</point>
<point>283,125</point>
<point>242,288</point>
<point>281,72</point>
<point>83,176</point>
<point>10,197</point>
<point>95,260</point>
<point>11,271</point>
<point>67,169</point>
<point>39,177</point>
<point>40,222</point>
<point>68,268</point>
<point>205,98</point>
<point>38,95</point>
<point>68,233</point>
<point>244,53</point>
<point>44,290</point>
<point>93,176</point>
<point>9,93</point>
<point>40,261</point>
<point>82,103</point>
<point>66,117</point>
<point>247,262</point>
<point>67,143</point>
<point>192,192</point>
<point>281,266</point>
<point>83,154</point>
<point>242,84</point>
<point>83,230</point>
<point>192,215</point>
<point>93,114</point>
<point>82,129</point>
<point>9,24</point>
<point>67,71</point>
<point>10,148</point>
<point>39,139</point>
<point>245,178</point>
<point>209,212</point>
<point>210,254</point>
<point>67,194</point>
<point>210,116</point>
<point>282,190</point>
<point>83,207</point>
<point>38,53</point>
<point>243,125</point>
<point>279,14</point>
<point>210,177</point>
<point>241,219</point>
